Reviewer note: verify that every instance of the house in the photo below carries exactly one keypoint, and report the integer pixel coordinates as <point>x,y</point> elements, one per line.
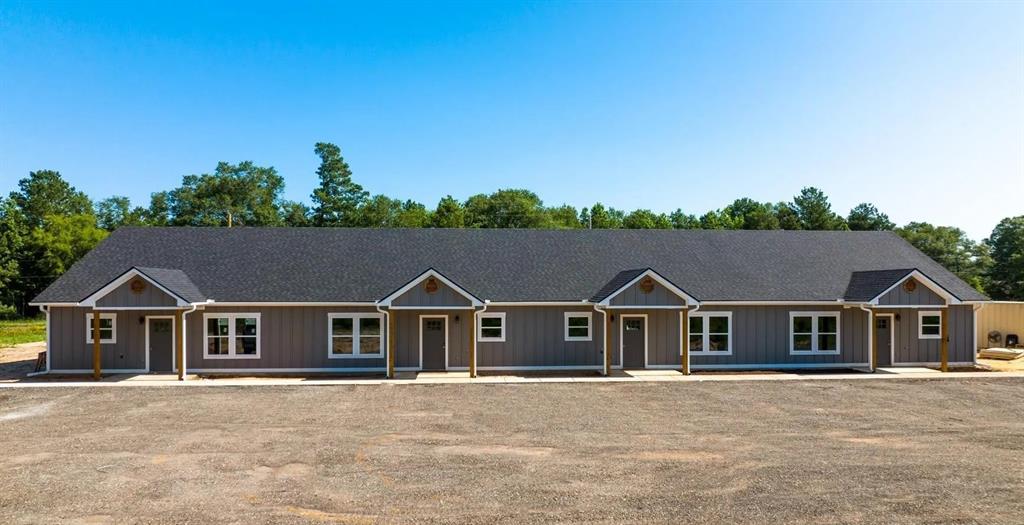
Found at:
<point>306,300</point>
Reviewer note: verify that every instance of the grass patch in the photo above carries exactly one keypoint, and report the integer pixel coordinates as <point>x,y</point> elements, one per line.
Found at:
<point>22,331</point>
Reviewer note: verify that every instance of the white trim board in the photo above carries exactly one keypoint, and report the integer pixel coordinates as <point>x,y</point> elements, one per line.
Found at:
<point>779,366</point>
<point>357,335</point>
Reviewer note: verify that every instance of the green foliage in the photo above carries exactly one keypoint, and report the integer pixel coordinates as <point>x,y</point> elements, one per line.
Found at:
<point>949,247</point>
<point>646,220</point>
<point>866,217</point>
<point>603,218</point>
<point>13,230</point>
<point>683,221</point>
<point>748,214</point>
<point>44,193</point>
<point>563,217</point>
<point>412,214</point>
<point>1006,275</point>
<point>294,214</point>
<point>787,216</point>
<point>114,212</point>
<point>509,208</point>
<point>815,212</point>
<point>720,220</point>
<point>337,200</point>
<point>449,214</point>
<point>159,211</point>
<point>15,331</point>
<point>62,240</point>
<point>233,195</point>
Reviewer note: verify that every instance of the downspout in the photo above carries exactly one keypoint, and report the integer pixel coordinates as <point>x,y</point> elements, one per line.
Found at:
<point>473,337</point>
<point>605,368</point>
<point>46,310</point>
<point>387,356</point>
<point>184,339</point>
<point>871,337</point>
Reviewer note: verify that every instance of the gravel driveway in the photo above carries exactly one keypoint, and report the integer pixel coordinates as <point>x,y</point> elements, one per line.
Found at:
<point>901,451</point>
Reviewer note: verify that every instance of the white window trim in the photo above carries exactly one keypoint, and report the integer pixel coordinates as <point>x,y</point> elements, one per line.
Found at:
<point>231,335</point>
<point>480,327</point>
<point>590,326</point>
<point>356,336</point>
<point>920,324</point>
<point>113,328</point>
<point>706,327</point>
<point>814,333</point>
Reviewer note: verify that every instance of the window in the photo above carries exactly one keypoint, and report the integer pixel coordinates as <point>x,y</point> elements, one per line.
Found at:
<point>232,336</point>
<point>492,328</point>
<point>929,325</point>
<point>577,326</point>
<point>354,335</point>
<point>813,332</point>
<point>108,328</point>
<point>710,333</point>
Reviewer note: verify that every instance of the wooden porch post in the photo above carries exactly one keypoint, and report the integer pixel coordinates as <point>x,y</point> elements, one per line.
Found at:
<point>179,345</point>
<point>391,344</point>
<point>684,342</point>
<point>472,346</point>
<point>608,346</point>
<point>96,345</point>
<point>944,346</point>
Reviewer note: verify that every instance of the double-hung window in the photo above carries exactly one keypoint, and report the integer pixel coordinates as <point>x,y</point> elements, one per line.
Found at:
<point>108,328</point>
<point>491,328</point>
<point>711,333</point>
<point>813,333</point>
<point>577,326</point>
<point>232,336</point>
<point>929,325</point>
<point>355,335</point>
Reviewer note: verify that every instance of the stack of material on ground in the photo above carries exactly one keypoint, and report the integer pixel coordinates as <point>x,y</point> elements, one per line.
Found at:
<point>1007,354</point>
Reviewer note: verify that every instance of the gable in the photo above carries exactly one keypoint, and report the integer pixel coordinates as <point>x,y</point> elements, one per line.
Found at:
<point>909,293</point>
<point>647,292</point>
<point>136,292</point>
<point>431,291</point>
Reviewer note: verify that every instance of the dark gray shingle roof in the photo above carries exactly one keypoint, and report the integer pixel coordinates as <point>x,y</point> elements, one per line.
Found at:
<point>176,281</point>
<point>328,264</point>
<point>864,286</point>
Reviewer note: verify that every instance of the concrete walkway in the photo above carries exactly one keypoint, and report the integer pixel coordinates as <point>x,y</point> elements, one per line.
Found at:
<point>428,378</point>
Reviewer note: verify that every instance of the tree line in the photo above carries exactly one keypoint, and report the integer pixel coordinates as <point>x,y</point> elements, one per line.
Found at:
<point>46,224</point>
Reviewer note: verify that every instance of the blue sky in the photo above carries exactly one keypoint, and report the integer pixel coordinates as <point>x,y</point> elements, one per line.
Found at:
<point>916,107</point>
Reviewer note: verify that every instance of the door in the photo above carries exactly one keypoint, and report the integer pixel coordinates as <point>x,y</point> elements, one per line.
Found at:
<point>161,344</point>
<point>433,341</point>
<point>883,340</point>
<point>634,342</point>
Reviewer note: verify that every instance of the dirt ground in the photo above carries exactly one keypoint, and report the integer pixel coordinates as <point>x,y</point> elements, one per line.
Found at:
<point>19,360</point>
<point>897,451</point>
